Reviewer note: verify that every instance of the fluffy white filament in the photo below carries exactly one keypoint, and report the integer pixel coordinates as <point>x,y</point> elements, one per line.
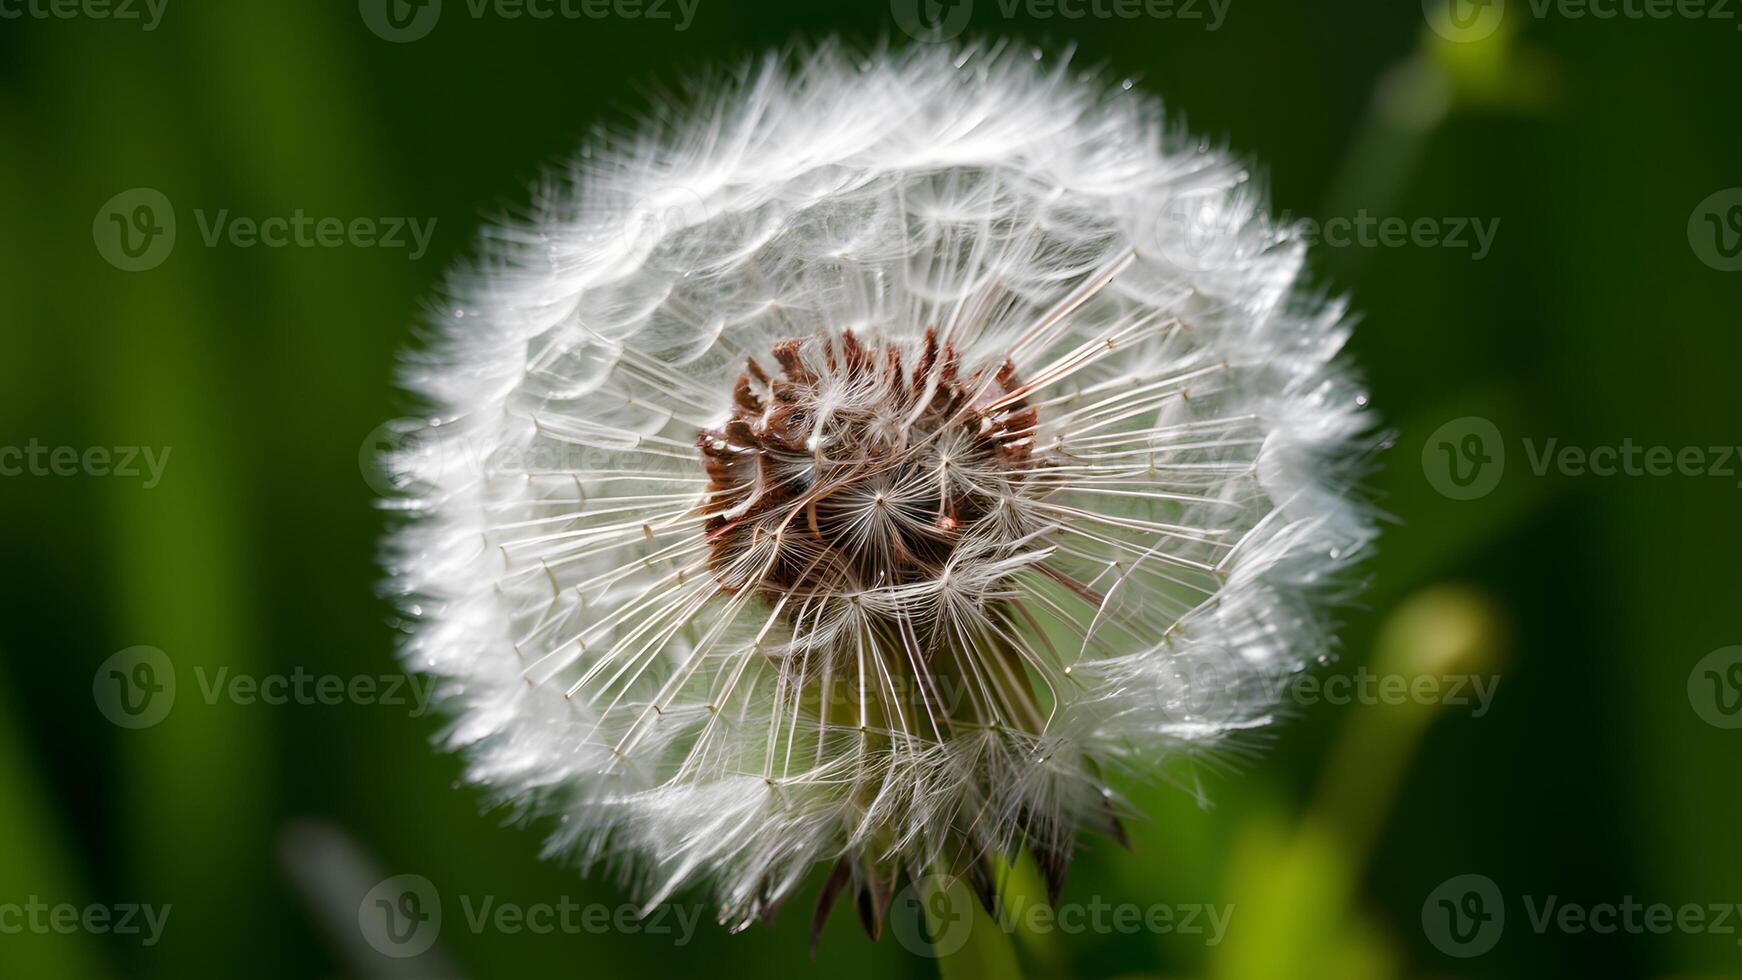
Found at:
<point>970,636</point>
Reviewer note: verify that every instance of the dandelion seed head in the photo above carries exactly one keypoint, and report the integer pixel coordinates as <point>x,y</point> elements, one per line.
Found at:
<point>873,461</point>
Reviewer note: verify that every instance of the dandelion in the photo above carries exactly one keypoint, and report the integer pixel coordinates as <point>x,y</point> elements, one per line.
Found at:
<point>872,467</point>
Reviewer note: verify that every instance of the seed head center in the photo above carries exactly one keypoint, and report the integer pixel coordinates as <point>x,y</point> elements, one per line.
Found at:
<point>854,465</point>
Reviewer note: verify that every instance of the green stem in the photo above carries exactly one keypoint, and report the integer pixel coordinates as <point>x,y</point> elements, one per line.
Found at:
<point>968,943</point>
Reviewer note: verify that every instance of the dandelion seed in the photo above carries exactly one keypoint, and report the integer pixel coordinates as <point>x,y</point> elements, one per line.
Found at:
<point>873,524</point>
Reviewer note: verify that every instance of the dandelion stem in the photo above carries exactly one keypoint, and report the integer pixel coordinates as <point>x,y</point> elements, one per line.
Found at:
<point>970,944</point>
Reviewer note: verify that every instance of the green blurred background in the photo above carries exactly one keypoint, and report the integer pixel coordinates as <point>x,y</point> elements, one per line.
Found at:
<point>1599,314</point>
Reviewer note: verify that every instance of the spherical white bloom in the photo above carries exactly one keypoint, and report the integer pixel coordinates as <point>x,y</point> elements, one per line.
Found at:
<point>867,467</point>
